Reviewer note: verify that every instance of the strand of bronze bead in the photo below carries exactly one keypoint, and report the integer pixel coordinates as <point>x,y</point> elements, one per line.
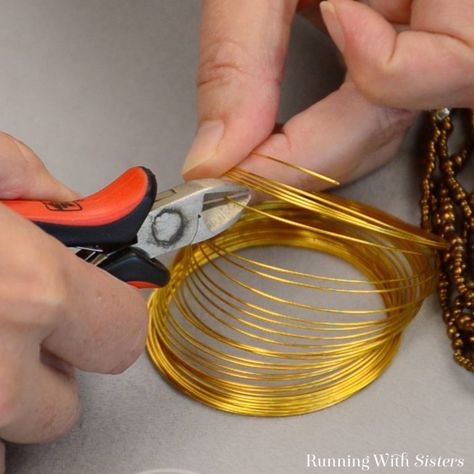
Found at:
<point>448,210</point>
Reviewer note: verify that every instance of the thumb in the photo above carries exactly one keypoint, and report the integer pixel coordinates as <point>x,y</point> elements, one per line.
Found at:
<point>367,137</point>
<point>427,66</point>
<point>24,176</point>
<point>242,54</point>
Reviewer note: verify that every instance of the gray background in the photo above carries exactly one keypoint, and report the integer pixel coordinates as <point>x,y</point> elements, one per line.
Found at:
<point>95,86</point>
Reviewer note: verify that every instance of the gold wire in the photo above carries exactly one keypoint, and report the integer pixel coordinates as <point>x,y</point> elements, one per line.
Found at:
<point>248,350</point>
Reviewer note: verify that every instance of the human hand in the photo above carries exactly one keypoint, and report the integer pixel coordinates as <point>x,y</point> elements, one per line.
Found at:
<point>242,56</point>
<point>417,54</point>
<point>57,312</point>
<point>243,51</point>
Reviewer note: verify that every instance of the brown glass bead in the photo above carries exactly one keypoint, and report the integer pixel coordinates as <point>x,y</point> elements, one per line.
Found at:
<point>447,209</point>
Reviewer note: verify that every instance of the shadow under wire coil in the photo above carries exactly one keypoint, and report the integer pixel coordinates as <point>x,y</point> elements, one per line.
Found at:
<point>224,331</point>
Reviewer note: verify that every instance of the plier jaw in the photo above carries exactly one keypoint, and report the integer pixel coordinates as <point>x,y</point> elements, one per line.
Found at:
<point>125,225</point>
<point>190,213</point>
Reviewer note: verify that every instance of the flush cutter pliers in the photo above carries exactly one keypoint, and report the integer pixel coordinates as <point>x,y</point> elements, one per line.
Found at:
<point>123,227</point>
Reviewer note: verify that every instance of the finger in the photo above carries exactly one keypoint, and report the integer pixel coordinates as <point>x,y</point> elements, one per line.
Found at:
<point>104,329</point>
<point>242,55</point>
<point>427,67</point>
<point>37,402</point>
<point>87,318</point>
<point>23,175</point>
<point>343,137</point>
<point>394,11</point>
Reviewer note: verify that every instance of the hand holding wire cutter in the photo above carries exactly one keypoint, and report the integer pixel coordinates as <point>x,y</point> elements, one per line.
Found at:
<point>58,313</point>
<point>126,225</point>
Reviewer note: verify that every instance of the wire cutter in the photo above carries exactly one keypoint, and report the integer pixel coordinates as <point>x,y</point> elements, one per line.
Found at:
<point>126,225</point>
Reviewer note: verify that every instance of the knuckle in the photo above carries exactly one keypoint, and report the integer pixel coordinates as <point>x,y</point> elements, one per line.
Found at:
<point>45,298</point>
<point>48,291</point>
<point>221,62</point>
<point>226,62</point>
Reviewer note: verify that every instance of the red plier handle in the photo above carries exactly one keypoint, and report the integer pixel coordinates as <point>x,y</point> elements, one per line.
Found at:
<point>107,220</point>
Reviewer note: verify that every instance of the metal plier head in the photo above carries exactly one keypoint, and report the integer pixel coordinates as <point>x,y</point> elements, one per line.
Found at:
<point>190,213</point>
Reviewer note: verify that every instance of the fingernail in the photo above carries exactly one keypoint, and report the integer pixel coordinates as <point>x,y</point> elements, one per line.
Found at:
<point>204,145</point>
<point>328,10</point>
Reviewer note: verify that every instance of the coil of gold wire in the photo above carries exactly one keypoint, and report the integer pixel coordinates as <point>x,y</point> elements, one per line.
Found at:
<point>239,331</point>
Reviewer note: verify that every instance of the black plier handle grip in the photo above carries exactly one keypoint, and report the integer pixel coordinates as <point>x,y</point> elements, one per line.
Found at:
<point>105,225</point>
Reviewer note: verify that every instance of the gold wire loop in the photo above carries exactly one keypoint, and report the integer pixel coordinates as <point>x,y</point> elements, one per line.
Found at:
<point>296,341</point>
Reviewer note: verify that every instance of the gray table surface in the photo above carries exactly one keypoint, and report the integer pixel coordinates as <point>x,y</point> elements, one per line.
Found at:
<point>96,86</point>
